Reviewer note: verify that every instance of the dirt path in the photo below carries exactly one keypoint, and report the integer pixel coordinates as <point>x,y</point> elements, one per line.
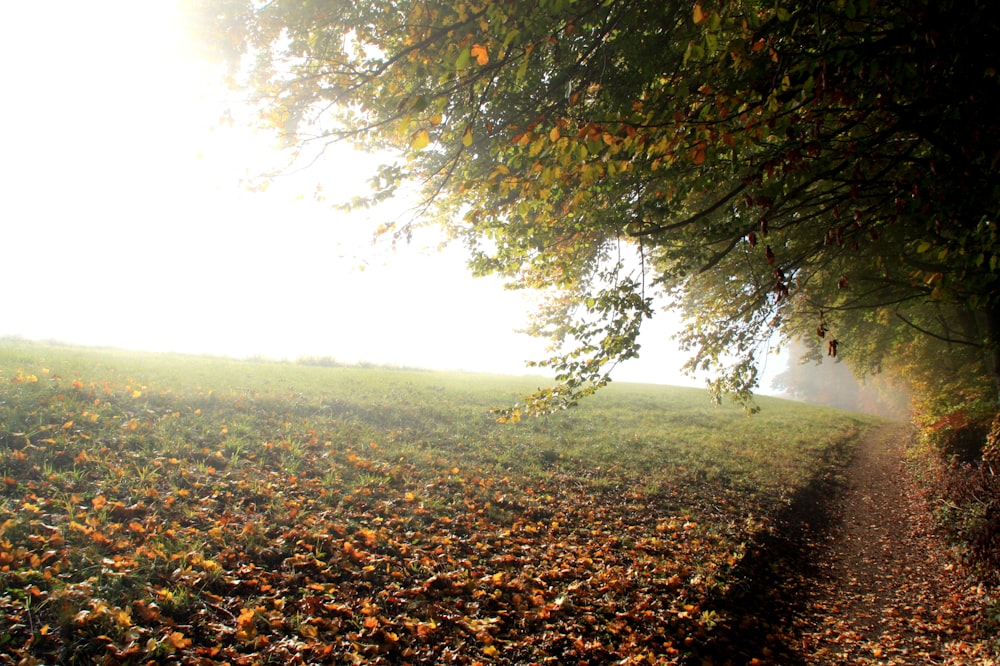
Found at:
<point>883,588</point>
<point>853,573</point>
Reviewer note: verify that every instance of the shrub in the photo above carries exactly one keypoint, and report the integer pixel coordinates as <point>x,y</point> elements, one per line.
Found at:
<point>968,501</point>
<point>959,435</point>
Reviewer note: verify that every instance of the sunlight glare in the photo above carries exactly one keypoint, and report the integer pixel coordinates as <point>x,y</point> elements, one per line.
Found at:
<point>125,223</point>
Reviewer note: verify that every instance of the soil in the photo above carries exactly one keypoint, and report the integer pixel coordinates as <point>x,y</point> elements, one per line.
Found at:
<point>855,573</point>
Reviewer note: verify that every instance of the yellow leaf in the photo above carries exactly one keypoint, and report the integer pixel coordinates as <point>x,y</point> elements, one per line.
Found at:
<point>699,15</point>
<point>436,119</point>
<point>479,52</point>
<point>554,134</point>
<point>491,651</point>
<point>467,137</point>
<point>308,631</point>
<point>420,140</point>
<point>177,640</point>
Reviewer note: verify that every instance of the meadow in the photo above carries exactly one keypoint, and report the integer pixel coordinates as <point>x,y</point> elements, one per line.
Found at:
<point>190,510</point>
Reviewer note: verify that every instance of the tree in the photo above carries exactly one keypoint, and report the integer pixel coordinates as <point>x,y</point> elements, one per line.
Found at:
<point>825,381</point>
<point>778,170</point>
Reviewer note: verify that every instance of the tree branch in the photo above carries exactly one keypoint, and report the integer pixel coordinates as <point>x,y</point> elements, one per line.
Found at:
<point>705,212</point>
<point>942,338</point>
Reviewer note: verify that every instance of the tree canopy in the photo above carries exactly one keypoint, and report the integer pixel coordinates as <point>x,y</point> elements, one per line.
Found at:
<point>821,171</point>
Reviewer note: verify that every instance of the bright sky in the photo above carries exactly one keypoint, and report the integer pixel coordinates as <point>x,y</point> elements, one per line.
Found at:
<point>123,223</point>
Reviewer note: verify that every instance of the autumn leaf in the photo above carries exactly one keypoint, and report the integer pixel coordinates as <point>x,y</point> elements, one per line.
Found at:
<point>699,152</point>
<point>699,14</point>
<point>245,628</point>
<point>420,140</point>
<point>479,52</point>
<point>177,640</point>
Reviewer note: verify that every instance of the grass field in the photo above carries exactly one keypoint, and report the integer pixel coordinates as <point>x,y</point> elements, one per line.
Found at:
<point>194,510</point>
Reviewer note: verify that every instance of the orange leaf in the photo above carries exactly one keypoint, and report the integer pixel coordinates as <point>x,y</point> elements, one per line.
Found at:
<point>699,15</point>
<point>699,152</point>
<point>480,54</point>
<point>178,640</point>
<point>245,628</point>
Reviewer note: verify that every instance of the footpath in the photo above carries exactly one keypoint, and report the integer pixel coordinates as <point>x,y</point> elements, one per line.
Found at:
<point>882,588</point>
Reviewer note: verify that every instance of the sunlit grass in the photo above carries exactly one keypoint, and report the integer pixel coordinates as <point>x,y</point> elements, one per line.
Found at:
<point>153,506</point>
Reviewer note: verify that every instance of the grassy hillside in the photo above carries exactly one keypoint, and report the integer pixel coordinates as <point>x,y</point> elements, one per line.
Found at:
<point>158,507</point>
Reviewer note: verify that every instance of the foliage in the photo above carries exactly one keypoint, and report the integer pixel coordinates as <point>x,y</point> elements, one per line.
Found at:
<point>774,169</point>
<point>196,510</point>
<point>966,500</point>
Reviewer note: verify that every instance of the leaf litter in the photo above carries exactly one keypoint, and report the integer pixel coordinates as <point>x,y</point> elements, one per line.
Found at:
<point>136,526</point>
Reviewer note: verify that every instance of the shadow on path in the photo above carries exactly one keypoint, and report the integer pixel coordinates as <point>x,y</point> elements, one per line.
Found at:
<point>771,581</point>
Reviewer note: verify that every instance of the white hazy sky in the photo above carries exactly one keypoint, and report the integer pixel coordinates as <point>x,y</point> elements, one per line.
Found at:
<point>123,223</point>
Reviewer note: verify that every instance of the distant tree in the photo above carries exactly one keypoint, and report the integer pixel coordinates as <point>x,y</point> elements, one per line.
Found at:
<point>779,170</point>
<point>821,380</point>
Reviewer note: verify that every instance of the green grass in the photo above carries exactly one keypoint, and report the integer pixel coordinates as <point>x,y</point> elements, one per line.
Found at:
<point>158,507</point>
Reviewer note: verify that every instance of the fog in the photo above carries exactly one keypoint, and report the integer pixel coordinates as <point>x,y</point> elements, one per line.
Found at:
<point>832,383</point>
<point>126,221</point>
